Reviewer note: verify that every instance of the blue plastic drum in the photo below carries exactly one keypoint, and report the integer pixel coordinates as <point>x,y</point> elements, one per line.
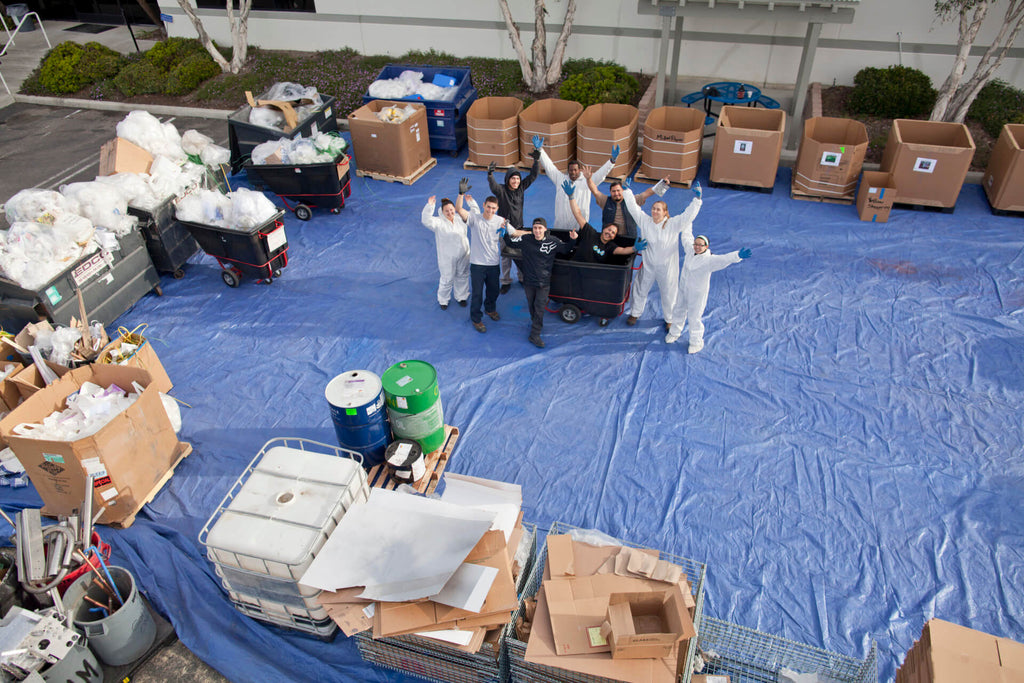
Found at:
<point>357,410</point>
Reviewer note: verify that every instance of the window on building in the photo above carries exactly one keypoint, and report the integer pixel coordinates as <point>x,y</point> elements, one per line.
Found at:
<point>265,5</point>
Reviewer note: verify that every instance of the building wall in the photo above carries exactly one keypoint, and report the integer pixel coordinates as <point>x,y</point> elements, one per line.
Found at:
<point>761,52</point>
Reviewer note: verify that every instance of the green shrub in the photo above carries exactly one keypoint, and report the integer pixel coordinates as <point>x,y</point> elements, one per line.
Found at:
<point>168,54</point>
<point>998,103</point>
<point>895,92</point>
<point>1018,119</point>
<point>100,62</point>
<point>140,78</point>
<point>60,72</point>
<point>572,67</point>
<point>187,76</point>
<point>600,84</point>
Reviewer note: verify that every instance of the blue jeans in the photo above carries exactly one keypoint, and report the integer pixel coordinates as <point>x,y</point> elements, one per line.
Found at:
<point>480,277</point>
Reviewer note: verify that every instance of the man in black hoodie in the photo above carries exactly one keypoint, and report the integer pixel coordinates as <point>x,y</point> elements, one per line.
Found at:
<point>510,205</point>
<point>539,248</point>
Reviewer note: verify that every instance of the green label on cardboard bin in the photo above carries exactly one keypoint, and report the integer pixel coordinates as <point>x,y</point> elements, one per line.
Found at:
<point>53,295</point>
<point>842,150</point>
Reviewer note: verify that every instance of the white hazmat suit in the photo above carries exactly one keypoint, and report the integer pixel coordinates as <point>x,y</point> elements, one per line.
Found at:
<point>692,296</point>
<point>452,252</point>
<point>661,257</point>
<point>564,218</point>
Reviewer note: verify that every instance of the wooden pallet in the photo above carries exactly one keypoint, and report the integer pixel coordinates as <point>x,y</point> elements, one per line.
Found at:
<point>406,180</point>
<point>803,196</point>
<point>741,188</point>
<point>647,179</point>
<point>436,462</point>
<point>182,452</point>
<point>923,207</point>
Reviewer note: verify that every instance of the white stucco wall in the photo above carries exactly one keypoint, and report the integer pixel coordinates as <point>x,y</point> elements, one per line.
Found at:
<point>607,29</point>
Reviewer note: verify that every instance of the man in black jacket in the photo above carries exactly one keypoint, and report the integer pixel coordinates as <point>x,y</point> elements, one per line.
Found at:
<point>538,248</point>
<point>510,205</point>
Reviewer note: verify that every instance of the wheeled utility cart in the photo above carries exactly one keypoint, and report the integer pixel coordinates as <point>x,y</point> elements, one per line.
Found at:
<point>303,186</point>
<point>260,252</point>
<point>244,136</point>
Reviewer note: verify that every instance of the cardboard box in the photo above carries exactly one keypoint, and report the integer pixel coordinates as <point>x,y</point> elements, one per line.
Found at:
<point>130,455</point>
<point>10,396</point>
<point>29,381</point>
<point>1004,178</point>
<point>643,625</point>
<point>493,131</point>
<point>830,157</point>
<point>555,121</point>
<point>144,358</point>
<point>673,137</point>
<point>121,156</point>
<point>748,144</point>
<point>397,149</point>
<point>602,126</point>
<point>928,160</point>
<point>948,653</point>
<point>876,196</point>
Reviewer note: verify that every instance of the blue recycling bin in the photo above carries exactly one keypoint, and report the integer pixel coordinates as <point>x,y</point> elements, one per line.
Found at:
<point>446,120</point>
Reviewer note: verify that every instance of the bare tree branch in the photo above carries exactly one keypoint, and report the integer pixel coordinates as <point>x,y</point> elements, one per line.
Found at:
<point>204,37</point>
<point>555,67</point>
<point>517,43</point>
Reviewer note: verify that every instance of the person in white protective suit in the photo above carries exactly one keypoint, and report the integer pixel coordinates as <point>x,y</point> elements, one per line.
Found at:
<point>661,258</point>
<point>564,218</point>
<point>694,282</point>
<point>452,249</point>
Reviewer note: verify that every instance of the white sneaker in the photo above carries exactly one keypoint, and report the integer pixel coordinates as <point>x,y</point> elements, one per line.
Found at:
<point>695,347</point>
<point>671,338</point>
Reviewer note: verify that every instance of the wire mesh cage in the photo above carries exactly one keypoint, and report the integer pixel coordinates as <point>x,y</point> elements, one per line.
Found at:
<point>750,656</point>
<point>436,661</point>
<point>516,667</point>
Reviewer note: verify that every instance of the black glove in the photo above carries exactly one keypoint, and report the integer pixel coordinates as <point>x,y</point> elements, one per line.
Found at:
<point>535,154</point>
<point>490,167</point>
<point>464,185</point>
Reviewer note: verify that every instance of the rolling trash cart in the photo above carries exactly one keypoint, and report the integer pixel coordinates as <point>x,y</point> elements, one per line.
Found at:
<point>170,244</point>
<point>325,186</point>
<point>260,252</point>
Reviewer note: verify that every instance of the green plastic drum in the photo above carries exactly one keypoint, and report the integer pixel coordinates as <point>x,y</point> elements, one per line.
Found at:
<point>414,403</point>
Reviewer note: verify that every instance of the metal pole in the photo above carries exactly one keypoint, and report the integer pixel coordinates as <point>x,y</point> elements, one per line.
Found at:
<point>802,78</point>
<point>677,41</point>
<point>667,12</point>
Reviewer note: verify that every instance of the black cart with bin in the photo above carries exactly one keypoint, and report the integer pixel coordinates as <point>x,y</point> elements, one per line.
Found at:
<point>244,136</point>
<point>259,252</point>
<point>170,244</point>
<point>447,119</point>
<point>300,187</point>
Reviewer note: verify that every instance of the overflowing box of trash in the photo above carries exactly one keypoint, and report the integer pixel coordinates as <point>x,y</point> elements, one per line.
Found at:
<point>390,138</point>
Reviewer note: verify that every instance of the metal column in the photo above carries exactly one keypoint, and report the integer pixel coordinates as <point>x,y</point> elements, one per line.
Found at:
<point>666,12</point>
<point>803,77</point>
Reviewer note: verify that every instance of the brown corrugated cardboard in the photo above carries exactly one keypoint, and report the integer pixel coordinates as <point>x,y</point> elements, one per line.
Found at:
<point>121,156</point>
<point>602,126</point>
<point>130,455</point>
<point>673,138</point>
<point>144,357</point>
<point>1004,178</point>
<point>948,653</point>
<point>397,149</point>
<point>644,625</point>
<point>29,381</point>
<point>1011,655</point>
<point>10,396</point>
<point>928,160</point>
<point>493,129</point>
<point>748,144</point>
<point>555,121</point>
<point>830,157</point>
<point>560,556</point>
<point>876,196</point>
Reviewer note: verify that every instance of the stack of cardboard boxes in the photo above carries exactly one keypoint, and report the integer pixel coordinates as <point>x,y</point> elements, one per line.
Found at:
<point>947,653</point>
<point>555,121</point>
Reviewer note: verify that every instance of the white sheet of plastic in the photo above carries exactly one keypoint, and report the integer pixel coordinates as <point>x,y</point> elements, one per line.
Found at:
<point>102,204</point>
<point>88,410</point>
<point>467,588</point>
<point>289,92</point>
<point>318,149</point>
<point>400,547</point>
<point>32,254</point>
<point>197,144</point>
<point>410,84</point>
<point>134,187</point>
<point>242,208</point>
<point>173,411</point>
<point>32,204</point>
<point>503,499</point>
<point>266,117</point>
<point>146,131</point>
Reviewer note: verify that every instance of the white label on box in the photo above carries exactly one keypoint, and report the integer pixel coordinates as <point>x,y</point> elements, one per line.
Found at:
<point>94,467</point>
<point>923,165</point>
<point>401,402</point>
<point>872,190</point>
<point>313,129</point>
<point>373,135</point>
<point>831,158</point>
<point>276,239</point>
<point>108,494</point>
<point>743,147</point>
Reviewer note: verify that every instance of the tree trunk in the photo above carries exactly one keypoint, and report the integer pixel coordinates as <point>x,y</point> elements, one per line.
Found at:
<point>517,42</point>
<point>204,37</point>
<point>540,48</point>
<point>554,70</point>
<point>240,35</point>
<point>967,34</point>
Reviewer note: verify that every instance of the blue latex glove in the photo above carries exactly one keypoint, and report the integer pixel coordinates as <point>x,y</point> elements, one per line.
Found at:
<point>626,182</point>
<point>697,189</point>
<point>538,142</point>
<point>503,230</point>
<point>615,153</point>
<point>640,245</point>
<point>745,253</point>
<point>568,188</point>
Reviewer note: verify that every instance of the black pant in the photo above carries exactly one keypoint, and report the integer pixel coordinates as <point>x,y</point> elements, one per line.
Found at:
<point>536,301</point>
<point>480,277</point>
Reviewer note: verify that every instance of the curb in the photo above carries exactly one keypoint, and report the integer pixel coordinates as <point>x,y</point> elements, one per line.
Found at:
<point>103,105</point>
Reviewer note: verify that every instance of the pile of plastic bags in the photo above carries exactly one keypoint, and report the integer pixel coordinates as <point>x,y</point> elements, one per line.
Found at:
<point>241,209</point>
<point>271,117</point>
<point>409,84</point>
<point>322,148</point>
<point>396,114</point>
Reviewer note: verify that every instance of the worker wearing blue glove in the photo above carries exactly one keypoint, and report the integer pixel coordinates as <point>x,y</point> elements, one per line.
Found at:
<point>591,246</point>
<point>484,255</point>
<point>564,219</point>
<point>697,189</point>
<point>615,153</point>
<point>694,283</point>
<point>640,245</point>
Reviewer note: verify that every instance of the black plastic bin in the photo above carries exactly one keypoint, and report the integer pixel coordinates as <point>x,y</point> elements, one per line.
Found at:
<point>170,244</point>
<point>598,289</point>
<point>244,136</point>
<point>324,186</point>
<point>260,252</point>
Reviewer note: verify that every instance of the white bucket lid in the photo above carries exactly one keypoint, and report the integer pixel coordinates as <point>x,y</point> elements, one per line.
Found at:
<point>353,389</point>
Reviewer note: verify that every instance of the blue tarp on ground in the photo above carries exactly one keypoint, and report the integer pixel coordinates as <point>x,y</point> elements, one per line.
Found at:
<point>845,454</point>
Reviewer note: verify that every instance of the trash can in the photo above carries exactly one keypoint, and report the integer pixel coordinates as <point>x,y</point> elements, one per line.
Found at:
<point>16,12</point>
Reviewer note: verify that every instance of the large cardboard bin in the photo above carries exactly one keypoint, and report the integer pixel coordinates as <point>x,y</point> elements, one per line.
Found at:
<point>748,144</point>
<point>494,131</point>
<point>948,652</point>
<point>673,137</point>
<point>830,158</point>
<point>555,121</point>
<point>130,456</point>
<point>928,160</point>
<point>1004,178</point>
<point>602,126</point>
<point>876,196</point>
<point>397,149</point>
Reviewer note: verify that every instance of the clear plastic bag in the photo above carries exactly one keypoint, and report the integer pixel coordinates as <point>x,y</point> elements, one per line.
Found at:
<point>32,204</point>
<point>146,131</point>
